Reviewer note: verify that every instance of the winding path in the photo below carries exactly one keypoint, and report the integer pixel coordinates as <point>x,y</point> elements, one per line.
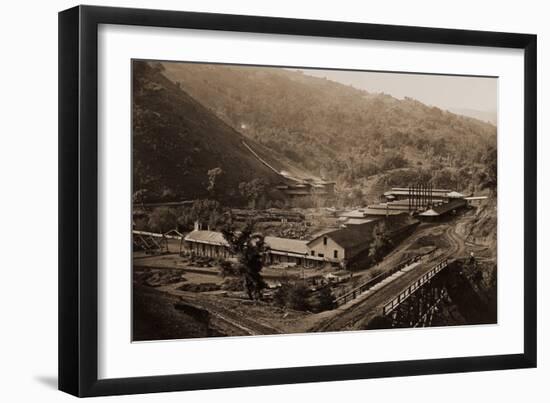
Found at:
<point>359,312</point>
<point>238,324</point>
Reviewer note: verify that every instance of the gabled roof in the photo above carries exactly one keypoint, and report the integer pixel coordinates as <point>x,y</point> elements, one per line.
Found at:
<point>275,243</point>
<point>353,236</point>
<point>208,237</point>
<point>429,213</point>
<point>356,238</point>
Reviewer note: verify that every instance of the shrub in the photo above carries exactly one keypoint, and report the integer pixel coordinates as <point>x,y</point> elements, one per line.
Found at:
<point>162,219</point>
<point>293,296</point>
<point>227,269</point>
<point>232,284</point>
<point>200,287</point>
<point>325,300</point>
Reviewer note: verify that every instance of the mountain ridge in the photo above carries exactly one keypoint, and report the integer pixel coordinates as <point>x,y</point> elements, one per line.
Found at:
<point>331,129</point>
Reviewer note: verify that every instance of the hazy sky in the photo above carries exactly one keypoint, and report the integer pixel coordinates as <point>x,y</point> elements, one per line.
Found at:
<point>446,92</point>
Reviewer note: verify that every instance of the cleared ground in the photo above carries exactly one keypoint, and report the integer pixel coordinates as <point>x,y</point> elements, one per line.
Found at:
<point>201,289</point>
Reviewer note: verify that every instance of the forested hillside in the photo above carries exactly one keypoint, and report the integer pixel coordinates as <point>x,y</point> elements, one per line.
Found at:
<point>333,130</point>
<point>182,151</point>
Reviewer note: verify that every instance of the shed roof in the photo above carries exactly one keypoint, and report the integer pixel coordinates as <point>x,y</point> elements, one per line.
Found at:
<point>389,206</point>
<point>405,192</point>
<point>287,245</point>
<point>455,195</point>
<point>443,208</point>
<point>476,197</point>
<point>372,210</point>
<point>359,221</point>
<point>399,203</point>
<point>435,190</point>
<point>359,213</point>
<point>382,212</point>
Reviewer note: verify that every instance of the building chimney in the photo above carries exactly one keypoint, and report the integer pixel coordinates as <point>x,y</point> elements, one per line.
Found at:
<point>197,225</point>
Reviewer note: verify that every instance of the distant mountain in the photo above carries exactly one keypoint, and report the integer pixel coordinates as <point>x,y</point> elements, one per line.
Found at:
<point>176,141</point>
<point>329,129</point>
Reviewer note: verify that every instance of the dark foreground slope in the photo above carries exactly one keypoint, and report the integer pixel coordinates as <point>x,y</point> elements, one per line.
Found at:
<point>176,141</point>
<point>156,316</point>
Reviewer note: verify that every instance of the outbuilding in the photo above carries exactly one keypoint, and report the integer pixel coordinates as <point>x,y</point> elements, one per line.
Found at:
<point>207,243</point>
<point>443,210</point>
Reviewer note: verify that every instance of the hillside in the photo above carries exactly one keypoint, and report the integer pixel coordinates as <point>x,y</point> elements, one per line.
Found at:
<point>329,129</point>
<point>176,141</point>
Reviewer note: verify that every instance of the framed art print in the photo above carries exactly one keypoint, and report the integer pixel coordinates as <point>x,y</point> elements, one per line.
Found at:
<point>249,201</point>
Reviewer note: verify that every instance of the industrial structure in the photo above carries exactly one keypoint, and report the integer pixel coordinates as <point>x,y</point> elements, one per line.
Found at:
<point>344,246</point>
<point>414,200</point>
<point>339,247</point>
<point>297,188</point>
<point>422,201</point>
<point>423,194</point>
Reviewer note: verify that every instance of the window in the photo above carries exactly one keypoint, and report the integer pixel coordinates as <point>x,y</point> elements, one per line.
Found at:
<point>324,241</point>
<point>312,253</point>
<point>335,254</point>
<point>321,255</point>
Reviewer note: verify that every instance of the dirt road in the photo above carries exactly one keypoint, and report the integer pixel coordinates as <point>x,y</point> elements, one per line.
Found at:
<point>359,312</point>
<point>233,322</point>
<point>236,318</point>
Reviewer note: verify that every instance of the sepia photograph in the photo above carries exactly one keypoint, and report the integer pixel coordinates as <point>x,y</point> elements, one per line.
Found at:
<point>280,200</point>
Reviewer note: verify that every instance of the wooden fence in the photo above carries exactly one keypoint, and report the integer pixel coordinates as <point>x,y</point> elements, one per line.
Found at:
<point>356,292</point>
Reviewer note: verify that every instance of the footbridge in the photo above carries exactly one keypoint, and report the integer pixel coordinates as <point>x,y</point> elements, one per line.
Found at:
<point>413,287</point>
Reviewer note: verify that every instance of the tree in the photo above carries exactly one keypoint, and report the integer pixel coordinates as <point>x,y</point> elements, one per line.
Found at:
<point>227,269</point>
<point>393,161</point>
<point>252,190</point>
<point>139,196</point>
<point>357,197</point>
<point>205,211</point>
<point>250,248</point>
<point>293,296</point>
<point>212,175</point>
<point>380,242</point>
<point>162,219</point>
<point>202,209</point>
<point>488,178</point>
<point>326,299</point>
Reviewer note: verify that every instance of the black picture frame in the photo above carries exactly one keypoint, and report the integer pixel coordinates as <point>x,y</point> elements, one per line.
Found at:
<point>78,204</point>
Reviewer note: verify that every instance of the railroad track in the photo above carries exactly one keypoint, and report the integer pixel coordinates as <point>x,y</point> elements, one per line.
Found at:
<point>367,308</point>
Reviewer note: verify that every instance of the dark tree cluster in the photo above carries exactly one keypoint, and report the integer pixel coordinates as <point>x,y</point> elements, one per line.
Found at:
<point>250,248</point>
